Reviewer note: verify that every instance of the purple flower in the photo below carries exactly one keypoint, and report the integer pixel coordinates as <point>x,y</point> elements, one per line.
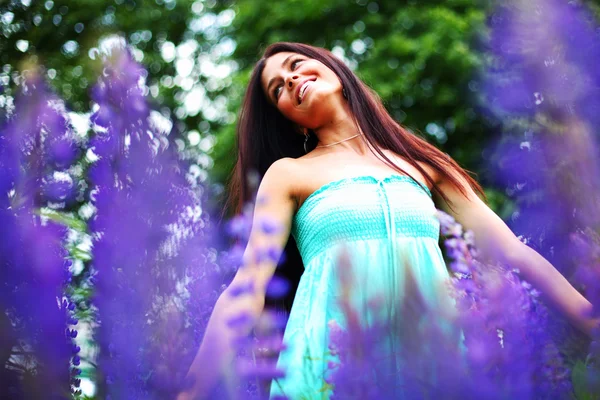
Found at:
<point>263,370</point>
<point>269,227</point>
<point>241,320</point>
<point>278,287</point>
<point>270,254</point>
<point>242,289</point>
<point>151,238</point>
<point>59,189</point>
<point>62,152</point>
<point>234,258</point>
<point>460,266</point>
<point>33,267</point>
<point>239,227</point>
<point>72,333</point>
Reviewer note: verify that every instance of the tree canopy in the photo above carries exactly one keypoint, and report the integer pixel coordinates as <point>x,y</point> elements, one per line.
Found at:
<point>422,58</point>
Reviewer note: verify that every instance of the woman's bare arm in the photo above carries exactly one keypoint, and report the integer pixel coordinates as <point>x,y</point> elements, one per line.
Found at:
<point>275,204</point>
<point>498,243</point>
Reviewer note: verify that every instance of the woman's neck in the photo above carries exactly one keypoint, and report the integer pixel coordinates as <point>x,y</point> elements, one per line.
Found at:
<point>338,130</point>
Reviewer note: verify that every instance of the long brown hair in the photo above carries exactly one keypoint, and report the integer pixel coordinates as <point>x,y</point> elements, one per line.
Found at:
<point>264,135</point>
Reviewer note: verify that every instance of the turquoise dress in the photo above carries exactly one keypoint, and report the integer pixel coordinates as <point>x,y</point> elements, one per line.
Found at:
<point>383,225</point>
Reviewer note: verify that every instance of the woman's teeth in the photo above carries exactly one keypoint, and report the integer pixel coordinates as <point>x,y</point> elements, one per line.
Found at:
<point>302,90</point>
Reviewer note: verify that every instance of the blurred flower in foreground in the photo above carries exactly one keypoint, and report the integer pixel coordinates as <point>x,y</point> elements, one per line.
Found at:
<point>149,235</point>
<point>544,84</point>
<point>492,346</point>
<point>256,362</point>
<point>547,51</point>
<point>36,348</point>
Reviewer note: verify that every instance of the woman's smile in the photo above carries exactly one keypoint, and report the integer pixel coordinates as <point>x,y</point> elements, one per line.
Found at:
<point>288,78</point>
<point>303,89</point>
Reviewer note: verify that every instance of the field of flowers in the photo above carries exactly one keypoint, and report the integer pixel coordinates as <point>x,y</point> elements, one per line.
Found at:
<point>110,300</point>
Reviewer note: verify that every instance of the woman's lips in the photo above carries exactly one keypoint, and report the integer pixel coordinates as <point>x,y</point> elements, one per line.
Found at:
<point>302,92</point>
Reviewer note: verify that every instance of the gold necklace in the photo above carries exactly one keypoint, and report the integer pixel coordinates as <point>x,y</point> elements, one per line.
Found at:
<point>341,141</point>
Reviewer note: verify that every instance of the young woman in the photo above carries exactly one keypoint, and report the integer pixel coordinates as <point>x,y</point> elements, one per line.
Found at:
<point>338,171</point>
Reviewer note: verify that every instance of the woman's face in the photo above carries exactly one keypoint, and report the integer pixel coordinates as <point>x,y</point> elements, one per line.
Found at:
<point>303,89</point>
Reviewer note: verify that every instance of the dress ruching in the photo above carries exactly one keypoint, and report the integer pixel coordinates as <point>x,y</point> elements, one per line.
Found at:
<point>384,225</point>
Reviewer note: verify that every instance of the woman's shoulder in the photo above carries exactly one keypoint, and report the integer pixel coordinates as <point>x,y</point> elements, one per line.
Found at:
<point>283,167</point>
<point>284,174</point>
<point>290,176</point>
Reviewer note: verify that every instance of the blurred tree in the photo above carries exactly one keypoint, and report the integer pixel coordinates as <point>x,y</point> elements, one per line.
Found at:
<point>62,35</point>
<point>180,43</point>
<point>422,58</point>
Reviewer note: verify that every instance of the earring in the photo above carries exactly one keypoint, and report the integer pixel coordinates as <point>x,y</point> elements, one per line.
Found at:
<point>344,93</point>
<point>306,141</point>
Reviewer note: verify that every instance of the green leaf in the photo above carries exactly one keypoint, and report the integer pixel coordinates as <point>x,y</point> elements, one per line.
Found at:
<point>579,380</point>
<point>65,219</point>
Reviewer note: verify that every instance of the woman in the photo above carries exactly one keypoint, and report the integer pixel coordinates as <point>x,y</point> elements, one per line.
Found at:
<point>338,170</point>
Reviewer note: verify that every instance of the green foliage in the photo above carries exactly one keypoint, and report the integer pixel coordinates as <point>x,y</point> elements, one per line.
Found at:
<point>65,219</point>
<point>180,43</point>
<point>422,58</point>
<point>62,34</point>
<point>580,377</point>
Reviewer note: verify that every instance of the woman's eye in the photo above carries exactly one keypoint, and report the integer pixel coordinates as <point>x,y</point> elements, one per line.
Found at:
<point>276,92</point>
<point>294,63</point>
<point>293,66</point>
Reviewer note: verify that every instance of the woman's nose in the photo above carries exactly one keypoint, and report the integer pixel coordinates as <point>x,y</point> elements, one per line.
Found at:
<point>290,80</point>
